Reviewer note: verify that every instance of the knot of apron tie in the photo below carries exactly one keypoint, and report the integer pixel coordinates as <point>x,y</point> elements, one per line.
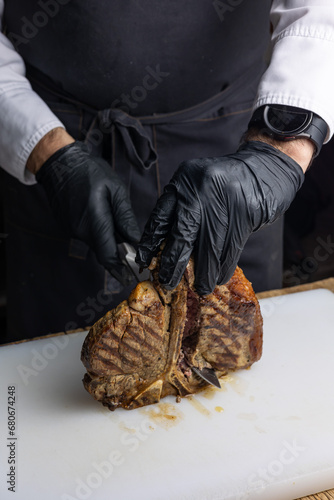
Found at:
<point>137,142</point>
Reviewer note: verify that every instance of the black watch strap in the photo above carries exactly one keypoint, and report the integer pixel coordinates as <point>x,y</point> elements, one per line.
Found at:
<point>286,123</point>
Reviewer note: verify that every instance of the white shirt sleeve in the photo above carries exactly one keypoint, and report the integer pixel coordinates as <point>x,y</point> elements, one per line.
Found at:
<point>24,117</point>
<point>301,69</point>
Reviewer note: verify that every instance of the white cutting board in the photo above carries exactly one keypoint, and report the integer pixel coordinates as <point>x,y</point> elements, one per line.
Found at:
<point>267,435</point>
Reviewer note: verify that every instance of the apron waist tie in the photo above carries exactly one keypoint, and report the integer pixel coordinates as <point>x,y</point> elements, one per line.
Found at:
<point>137,141</point>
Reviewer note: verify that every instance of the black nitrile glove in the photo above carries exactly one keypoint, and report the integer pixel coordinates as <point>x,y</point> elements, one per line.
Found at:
<point>91,203</point>
<point>210,208</point>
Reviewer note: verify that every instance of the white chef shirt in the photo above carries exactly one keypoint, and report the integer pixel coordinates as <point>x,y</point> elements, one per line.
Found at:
<point>300,73</point>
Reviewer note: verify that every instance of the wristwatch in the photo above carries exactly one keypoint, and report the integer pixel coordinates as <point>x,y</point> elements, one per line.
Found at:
<point>285,123</point>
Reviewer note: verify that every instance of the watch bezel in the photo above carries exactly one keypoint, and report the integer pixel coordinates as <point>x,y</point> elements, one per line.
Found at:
<point>287,133</point>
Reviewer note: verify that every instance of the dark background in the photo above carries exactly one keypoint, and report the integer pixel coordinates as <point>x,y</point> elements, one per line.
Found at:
<point>308,222</point>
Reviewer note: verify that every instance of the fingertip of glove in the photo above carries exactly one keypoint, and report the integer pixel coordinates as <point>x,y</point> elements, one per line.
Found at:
<point>168,284</point>
<point>143,257</point>
<point>135,235</point>
<point>169,278</point>
<point>203,290</point>
<point>204,284</point>
<point>225,278</point>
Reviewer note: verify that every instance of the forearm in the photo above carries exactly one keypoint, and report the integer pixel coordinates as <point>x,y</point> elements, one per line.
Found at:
<point>301,150</point>
<point>46,147</point>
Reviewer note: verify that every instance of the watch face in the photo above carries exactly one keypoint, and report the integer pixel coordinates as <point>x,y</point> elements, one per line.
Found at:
<point>284,121</point>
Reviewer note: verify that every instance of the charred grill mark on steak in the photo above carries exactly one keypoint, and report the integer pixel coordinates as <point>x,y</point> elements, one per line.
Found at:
<point>108,363</point>
<point>149,330</point>
<point>109,338</point>
<point>107,346</point>
<point>136,333</point>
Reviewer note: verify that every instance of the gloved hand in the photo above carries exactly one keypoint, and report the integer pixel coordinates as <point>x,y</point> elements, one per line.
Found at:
<point>91,203</point>
<point>210,208</point>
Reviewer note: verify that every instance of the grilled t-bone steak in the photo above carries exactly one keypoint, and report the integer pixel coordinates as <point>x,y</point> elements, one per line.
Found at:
<point>143,350</point>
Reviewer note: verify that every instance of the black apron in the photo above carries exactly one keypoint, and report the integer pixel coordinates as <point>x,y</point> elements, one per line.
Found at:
<point>55,284</point>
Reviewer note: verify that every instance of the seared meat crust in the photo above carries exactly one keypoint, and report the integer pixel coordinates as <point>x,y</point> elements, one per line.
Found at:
<point>143,350</point>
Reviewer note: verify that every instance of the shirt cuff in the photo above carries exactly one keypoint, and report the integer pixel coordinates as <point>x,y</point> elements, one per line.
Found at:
<point>24,120</point>
<point>301,74</point>
<point>28,177</point>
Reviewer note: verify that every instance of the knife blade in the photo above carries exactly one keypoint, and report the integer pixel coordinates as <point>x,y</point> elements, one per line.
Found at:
<point>127,255</point>
<point>207,374</point>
